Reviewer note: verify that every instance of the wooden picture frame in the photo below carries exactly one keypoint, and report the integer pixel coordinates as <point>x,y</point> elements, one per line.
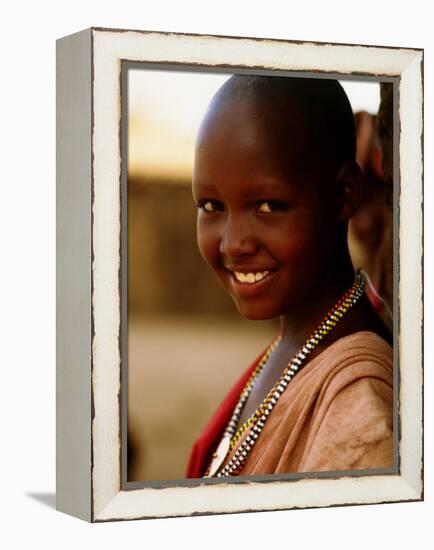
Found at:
<point>91,327</point>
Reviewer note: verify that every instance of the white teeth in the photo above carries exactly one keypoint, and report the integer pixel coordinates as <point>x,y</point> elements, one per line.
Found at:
<point>250,277</point>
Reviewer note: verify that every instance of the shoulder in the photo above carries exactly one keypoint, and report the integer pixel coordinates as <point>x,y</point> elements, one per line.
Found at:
<point>349,359</point>
<point>360,363</point>
<point>364,344</point>
<point>355,374</point>
<point>352,422</point>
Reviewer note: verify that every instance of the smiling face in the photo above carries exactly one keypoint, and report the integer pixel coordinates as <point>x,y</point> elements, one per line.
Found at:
<point>266,214</point>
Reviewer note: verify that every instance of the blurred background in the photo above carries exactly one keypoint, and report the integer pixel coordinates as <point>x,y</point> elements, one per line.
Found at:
<point>187,344</point>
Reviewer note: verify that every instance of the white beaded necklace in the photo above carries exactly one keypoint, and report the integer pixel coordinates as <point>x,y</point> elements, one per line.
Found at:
<point>258,419</point>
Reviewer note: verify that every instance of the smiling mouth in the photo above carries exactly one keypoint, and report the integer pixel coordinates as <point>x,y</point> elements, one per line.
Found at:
<point>250,277</point>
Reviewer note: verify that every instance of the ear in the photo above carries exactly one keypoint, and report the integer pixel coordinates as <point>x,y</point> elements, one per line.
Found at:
<point>349,191</point>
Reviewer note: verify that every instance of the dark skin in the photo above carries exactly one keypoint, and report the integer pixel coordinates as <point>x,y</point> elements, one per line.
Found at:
<point>271,204</point>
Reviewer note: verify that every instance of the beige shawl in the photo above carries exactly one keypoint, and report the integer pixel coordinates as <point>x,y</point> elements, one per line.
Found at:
<point>336,414</point>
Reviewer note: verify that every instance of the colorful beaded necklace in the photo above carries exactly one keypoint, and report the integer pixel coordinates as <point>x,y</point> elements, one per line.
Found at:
<point>257,421</point>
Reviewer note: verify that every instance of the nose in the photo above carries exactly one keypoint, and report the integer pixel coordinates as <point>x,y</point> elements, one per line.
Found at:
<point>237,238</point>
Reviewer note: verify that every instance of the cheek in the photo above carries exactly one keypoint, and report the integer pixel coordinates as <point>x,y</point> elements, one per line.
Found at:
<point>208,244</point>
<point>294,242</point>
<point>306,244</point>
<point>295,247</point>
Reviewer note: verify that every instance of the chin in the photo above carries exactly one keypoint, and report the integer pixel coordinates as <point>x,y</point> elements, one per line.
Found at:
<point>257,313</point>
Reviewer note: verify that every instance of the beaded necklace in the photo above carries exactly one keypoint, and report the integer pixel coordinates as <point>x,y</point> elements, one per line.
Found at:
<point>257,421</point>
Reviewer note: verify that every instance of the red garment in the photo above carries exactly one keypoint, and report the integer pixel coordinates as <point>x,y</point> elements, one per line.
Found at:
<point>373,298</point>
<point>210,437</point>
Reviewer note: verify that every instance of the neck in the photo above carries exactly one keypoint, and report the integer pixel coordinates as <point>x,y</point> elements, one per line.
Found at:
<point>297,325</point>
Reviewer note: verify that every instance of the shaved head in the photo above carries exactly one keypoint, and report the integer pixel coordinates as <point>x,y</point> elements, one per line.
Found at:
<point>311,119</point>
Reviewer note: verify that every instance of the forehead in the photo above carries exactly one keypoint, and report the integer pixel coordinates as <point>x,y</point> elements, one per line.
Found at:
<point>252,122</point>
<point>241,139</point>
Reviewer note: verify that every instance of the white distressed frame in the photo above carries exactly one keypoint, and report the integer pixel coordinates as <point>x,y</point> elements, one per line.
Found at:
<point>88,304</point>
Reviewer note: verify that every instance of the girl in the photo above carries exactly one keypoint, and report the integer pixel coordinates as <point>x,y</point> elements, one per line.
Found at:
<point>275,181</point>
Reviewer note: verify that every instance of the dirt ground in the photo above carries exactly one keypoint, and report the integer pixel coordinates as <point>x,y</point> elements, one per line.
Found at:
<point>179,370</point>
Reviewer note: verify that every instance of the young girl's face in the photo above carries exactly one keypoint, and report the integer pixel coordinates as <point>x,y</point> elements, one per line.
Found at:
<point>264,224</point>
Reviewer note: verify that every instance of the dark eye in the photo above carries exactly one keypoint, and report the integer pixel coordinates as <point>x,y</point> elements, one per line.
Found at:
<point>265,207</point>
<point>210,206</point>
